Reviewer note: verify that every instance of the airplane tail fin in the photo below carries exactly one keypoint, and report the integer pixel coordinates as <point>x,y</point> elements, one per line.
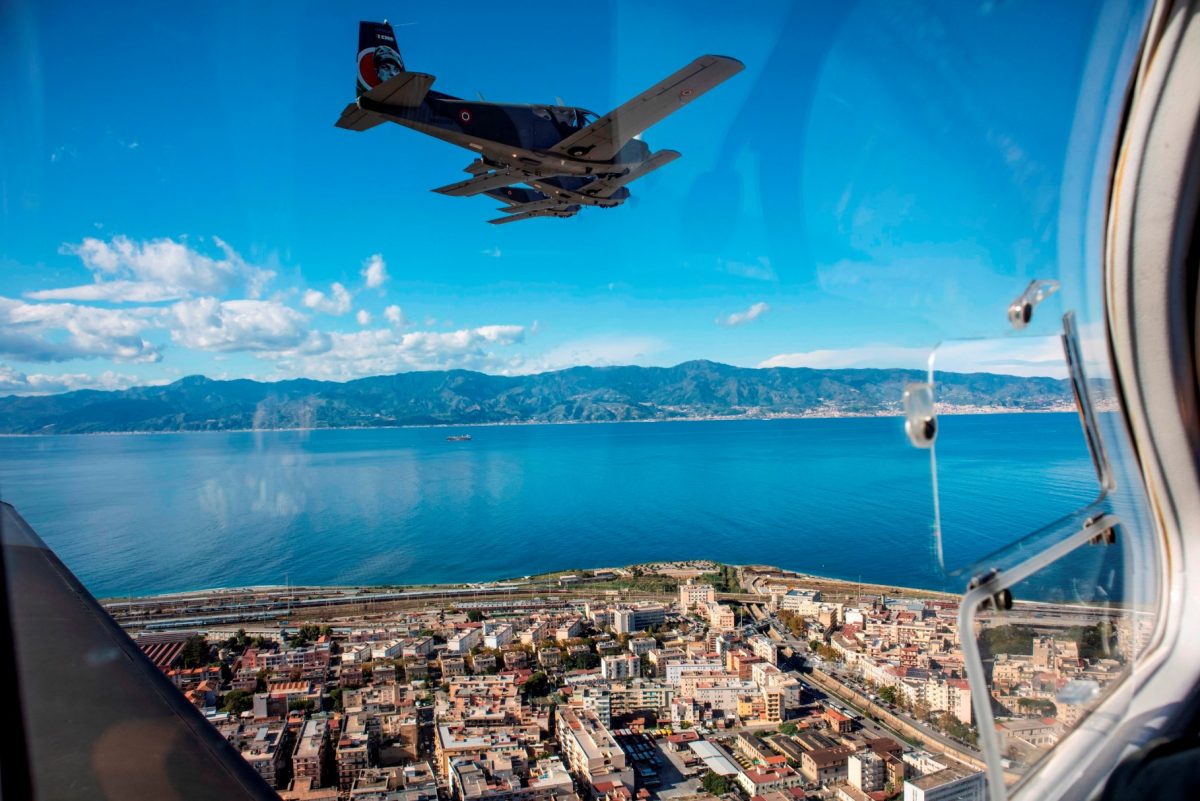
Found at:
<point>378,55</point>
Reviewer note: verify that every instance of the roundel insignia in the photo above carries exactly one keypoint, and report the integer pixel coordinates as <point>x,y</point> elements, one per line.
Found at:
<point>464,115</point>
<point>685,94</point>
<point>367,76</point>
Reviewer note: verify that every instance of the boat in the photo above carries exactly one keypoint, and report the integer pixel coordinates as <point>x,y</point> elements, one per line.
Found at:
<point>459,438</point>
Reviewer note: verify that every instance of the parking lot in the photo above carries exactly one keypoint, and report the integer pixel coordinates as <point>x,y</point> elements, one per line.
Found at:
<point>658,770</point>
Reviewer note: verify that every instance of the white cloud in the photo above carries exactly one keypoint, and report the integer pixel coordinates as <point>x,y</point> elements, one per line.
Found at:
<point>595,352</point>
<point>30,332</point>
<point>14,382</point>
<point>1020,356</point>
<point>375,271</point>
<point>243,325</point>
<point>395,315</point>
<point>743,317</point>
<point>383,351</point>
<point>363,317</point>
<point>337,302</point>
<point>866,356</point>
<point>125,271</point>
<point>493,251</point>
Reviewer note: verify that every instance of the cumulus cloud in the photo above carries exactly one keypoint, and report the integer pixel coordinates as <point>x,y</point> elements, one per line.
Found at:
<point>125,271</point>
<point>374,271</point>
<point>395,315</point>
<point>363,317</point>
<point>243,325</point>
<point>383,351</point>
<point>337,302</point>
<point>15,382</point>
<point>30,332</point>
<point>749,315</point>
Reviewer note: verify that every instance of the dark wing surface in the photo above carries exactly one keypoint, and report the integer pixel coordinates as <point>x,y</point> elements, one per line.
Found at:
<point>537,210</point>
<point>601,140</point>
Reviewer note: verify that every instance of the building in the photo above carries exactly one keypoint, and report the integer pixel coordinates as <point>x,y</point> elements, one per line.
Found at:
<point>410,783</point>
<point>802,602</point>
<point>866,771</point>
<point>639,618</point>
<point>308,759</point>
<point>355,750</point>
<point>765,649</point>
<point>307,789</point>
<point>837,721</point>
<point>497,635</point>
<point>956,782</point>
<point>676,669</point>
<point>826,765</point>
<point>759,780</point>
<point>720,616</point>
<point>597,700</point>
<point>465,640</point>
<point>454,740</point>
<point>590,750</point>
<point>695,596</point>
<point>452,666</point>
<point>642,645</point>
<point>267,752</point>
<point>619,667</point>
<point>549,657</point>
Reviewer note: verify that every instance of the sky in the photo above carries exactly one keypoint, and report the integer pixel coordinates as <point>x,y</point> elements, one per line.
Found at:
<point>882,177</point>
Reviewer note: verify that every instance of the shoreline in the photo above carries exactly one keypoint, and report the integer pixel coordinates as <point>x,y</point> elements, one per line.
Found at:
<point>957,412</point>
<point>527,584</point>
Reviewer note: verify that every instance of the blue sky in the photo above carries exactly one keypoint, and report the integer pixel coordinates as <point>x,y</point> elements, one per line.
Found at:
<point>174,198</point>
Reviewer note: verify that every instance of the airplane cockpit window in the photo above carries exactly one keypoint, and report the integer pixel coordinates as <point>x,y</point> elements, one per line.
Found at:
<point>762,437</point>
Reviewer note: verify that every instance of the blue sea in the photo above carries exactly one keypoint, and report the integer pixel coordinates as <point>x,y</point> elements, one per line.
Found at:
<point>847,498</point>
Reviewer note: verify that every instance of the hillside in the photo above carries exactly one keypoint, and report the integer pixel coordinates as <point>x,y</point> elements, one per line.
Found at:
<point>578,394</point>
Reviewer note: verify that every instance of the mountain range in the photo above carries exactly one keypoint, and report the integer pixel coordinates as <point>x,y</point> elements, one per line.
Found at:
<point>459,397</point>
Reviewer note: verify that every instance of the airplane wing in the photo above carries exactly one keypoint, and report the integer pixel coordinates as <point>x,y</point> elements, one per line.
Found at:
<point>656,160</point>
<point>557,211</point>
<point>479,184</point>
<point>603,138</point>
<point>535,205</point>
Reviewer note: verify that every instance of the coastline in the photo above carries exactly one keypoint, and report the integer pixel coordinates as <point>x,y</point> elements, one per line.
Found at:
<point>828,584</point>
<point>892,413</point>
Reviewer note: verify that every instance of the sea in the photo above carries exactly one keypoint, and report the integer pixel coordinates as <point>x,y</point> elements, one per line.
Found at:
<point>849,498</point>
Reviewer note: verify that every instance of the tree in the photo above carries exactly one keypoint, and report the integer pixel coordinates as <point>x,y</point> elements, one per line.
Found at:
<point>474,615</point>
<point>788,728</point>
<point>236,702</point>
<point>196,652</point>
<point>888,694</point>
<point>538,685</point>
<point>716,783</point>
<point>829,653</point>
<point>335,695</point>
<point>304,636</point>
<point>305,705</point>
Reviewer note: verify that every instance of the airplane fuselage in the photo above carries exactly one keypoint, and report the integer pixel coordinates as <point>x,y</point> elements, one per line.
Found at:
<point>515,136</point>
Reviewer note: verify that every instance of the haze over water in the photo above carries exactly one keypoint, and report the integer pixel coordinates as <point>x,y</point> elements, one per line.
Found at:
<point>848,498</point>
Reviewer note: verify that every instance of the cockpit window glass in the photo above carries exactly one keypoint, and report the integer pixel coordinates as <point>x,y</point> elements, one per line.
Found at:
<point>257,379</point>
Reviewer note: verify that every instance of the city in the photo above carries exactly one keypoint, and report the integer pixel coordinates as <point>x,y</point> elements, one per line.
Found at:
<point>674,681</point>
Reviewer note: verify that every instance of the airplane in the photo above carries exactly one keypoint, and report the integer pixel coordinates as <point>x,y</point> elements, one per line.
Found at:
<point>566,157</point>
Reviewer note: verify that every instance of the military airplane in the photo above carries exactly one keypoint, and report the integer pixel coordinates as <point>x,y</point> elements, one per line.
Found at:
<point>540,161</point>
